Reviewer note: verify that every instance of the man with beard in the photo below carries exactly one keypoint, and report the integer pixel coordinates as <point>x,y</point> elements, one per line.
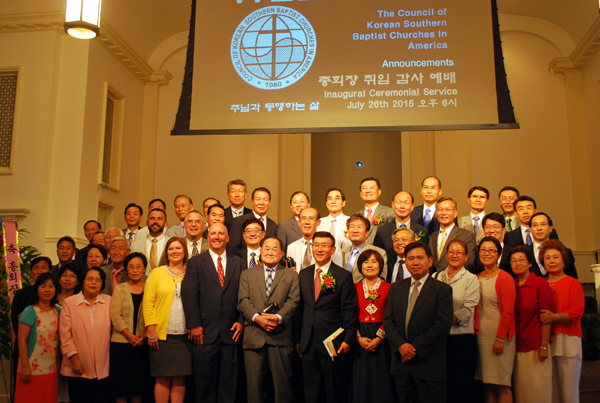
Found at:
<point>153,246</point>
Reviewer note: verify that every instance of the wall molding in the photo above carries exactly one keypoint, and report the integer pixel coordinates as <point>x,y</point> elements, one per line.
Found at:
<point>107,38</point>
<point>16,214</point>
<point>582,54</point>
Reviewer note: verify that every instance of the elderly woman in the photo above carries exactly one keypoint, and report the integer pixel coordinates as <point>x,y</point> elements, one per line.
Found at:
<point>171,351</point>
<point>533,371</point>
<point>96,256</point>
<point>373,382</point>
<point>85,339</point>
<point>461,345</point>
<point>495,323</point>
<point>569,304</point>
<point>129,365</point>
<point>37,376</point>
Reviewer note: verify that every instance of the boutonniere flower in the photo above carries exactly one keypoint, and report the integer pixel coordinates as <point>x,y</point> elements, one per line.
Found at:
<point>328,283</point>
<point>346,234</point>
<point>259,262</point>
<point>377,220</point>
<point>419,236</point>
<point>373,296</point>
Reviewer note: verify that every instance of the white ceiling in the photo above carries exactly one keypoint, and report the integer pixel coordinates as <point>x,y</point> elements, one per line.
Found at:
<point>144,24</point>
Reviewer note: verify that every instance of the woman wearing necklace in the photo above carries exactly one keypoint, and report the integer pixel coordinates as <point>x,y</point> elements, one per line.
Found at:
<point>495,325</point>
<point>372,380</point>
<point>533,371</point>
<point>129,365</point>
<point>461,344</point>
<point>171,350</point>
<point>37,374</point>
<point>569,302</point>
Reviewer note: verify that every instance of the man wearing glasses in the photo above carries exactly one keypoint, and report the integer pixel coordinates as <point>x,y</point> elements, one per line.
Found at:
<point>507,197</point>
<point>446,212</point>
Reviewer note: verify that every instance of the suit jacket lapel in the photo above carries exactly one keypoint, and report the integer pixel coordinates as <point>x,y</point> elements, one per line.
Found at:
<point>228,272</point>
<point>310,284</point>
<point>296,227</point>
<point>212,270</point>
<point>425,290</point>
<point>260,279</point>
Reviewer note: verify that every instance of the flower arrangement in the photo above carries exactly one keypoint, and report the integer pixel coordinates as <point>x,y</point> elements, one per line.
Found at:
<point>328,283</point>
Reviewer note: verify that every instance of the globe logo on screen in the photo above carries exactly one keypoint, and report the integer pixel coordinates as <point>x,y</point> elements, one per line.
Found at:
<point>274,47</point>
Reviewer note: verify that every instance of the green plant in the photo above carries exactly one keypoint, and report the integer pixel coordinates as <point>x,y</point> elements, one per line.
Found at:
<point>590,329</point>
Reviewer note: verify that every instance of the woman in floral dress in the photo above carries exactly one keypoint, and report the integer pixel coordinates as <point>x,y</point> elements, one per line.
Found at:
<point>37,376</point>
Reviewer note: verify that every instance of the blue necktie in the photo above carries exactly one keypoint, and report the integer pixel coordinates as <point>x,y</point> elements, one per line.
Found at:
<point>427,219</point>
<point>476,224</point>
<point>351,260</point>
<point>528,240</point>
<point>252,261</point>
<point>269,283</point>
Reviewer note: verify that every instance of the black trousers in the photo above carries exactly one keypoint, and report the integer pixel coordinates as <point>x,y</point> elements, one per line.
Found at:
<point>216,372</point>
<point>461,360</point>
<point>321,372</point>
<point>82,390</point>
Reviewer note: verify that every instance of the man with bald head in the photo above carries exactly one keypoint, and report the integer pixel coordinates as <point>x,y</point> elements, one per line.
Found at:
<point>183,205</point>
<point>424,214</point>
<point>403,204</point>
<point>301,250</point>
<point>216,324</point>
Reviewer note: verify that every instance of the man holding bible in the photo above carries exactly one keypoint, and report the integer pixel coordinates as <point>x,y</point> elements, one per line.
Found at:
<point>268,298</point>
<point>328,302</point>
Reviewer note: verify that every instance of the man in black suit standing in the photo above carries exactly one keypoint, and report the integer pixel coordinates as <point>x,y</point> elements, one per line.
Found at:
<point>289,230</point>
<point>323,310</point>
<point>418,318</point>
<point>236,193</point>
<point>397,270</point>
<point>541,228</point>
<point>424,214</point>
<point>525,208</point>
<point>212,315</point>
<point>403,204</point>
<point>261,201</point>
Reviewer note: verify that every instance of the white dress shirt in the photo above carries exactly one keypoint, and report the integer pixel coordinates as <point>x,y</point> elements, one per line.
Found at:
<point>161,241</point>
<point>296,251</point>
<point>536,256</point>
<point>324,270</point>
<point>237,213</point>
<point>215,259</point>
<point>432,209</point>
<point>405,272</point>
<point>249,256</point>
<point>441,236</point>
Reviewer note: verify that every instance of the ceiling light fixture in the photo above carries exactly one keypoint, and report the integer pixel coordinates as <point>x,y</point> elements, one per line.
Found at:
<point>82,19</point>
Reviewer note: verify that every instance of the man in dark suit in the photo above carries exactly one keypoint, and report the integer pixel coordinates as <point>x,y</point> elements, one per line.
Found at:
<point>525,208</point>
<point>209,295</point>
<point>397,270</point>
<point>236,193</point>
<point>91,227</point>
<point>403,204</point>
<point>323,310</point>
<point>424,214</point>
<point>65,250</point>
<point>289,230</point>
<point>134,215</point>
<point>376,213</point>
<point>418,318</point>
<point>541,228</point>
<point>261,201</point>
<point>446,212</point>
<point>254,233</point>
<point>268,340</point>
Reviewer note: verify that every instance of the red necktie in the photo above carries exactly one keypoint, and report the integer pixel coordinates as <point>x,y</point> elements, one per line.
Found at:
<point>317,283</point>
<point>220,271</point>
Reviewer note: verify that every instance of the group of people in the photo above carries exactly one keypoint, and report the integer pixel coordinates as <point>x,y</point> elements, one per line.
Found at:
<point>403,303</point>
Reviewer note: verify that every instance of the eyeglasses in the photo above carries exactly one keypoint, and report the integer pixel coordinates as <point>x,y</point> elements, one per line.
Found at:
<point>488,251</point>
<point>455,253</point>
<point>540,225</point>
<point>445,210</point>
<point>496,227</point>
<point>308,219</point>
<point>252,231</point>
<point>93,279</point>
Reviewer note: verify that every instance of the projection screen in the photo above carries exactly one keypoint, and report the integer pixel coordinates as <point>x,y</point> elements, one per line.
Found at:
<point>257,66</point>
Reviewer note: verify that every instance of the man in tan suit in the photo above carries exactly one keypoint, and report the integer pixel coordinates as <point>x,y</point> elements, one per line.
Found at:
<point>268,336</point>
<point>358,231</point>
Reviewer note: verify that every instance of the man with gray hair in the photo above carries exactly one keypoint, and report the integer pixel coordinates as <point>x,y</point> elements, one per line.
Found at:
<point>194,227</point>
<point>116,272</point>
<point>397,270</point>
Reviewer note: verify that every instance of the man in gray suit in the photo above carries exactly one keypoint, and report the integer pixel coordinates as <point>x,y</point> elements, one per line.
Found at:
<point>183,205</point>
<point>446,211</point>
<point>194,227</point>
<point>289,230</point>
<point>478,197</point>
<point>268,337</point>
<point>378,215</point>
<point>153,245</point>
<point>358,231</point>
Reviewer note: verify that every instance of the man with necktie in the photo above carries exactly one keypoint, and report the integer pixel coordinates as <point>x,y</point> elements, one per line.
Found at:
<point>253,231</point>
<point>268,340</point>
<point>194,227</point>
<point>397,270</point>
<point>424,214</point>
<point>358,231</point>
<point>478,197</point>
<point>301,250</point>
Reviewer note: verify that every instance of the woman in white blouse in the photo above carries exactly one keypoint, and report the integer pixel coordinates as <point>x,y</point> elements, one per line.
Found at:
<point>461,345</point>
